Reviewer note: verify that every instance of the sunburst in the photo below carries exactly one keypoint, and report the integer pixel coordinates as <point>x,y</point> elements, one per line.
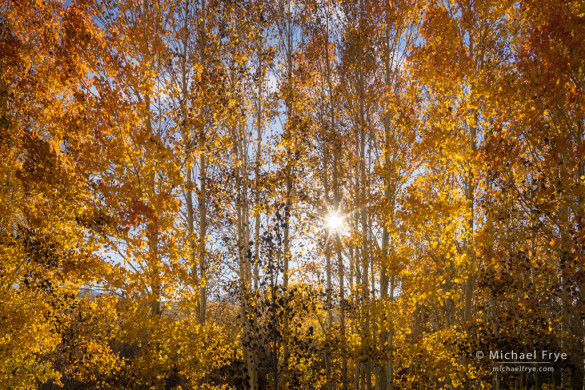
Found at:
<point>334,222</point>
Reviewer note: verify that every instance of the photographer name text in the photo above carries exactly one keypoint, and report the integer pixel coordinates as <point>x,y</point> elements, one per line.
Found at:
<point>544,355</point>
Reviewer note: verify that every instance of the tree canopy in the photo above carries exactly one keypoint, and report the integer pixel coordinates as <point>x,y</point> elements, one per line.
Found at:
<point>349,194</point>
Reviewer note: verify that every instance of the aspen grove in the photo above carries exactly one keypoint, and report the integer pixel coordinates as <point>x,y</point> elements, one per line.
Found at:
<point>278,194</point>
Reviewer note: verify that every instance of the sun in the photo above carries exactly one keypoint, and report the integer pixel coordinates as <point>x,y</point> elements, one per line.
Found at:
<point>334,222</point>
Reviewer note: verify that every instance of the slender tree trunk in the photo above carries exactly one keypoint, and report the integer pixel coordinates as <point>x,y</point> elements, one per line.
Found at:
<point>328,287</point>
<point>470,197</point>
<point>257,170</point>
<point>202,193</point>
<point>386,371</point>
<point>469,241</point>
<point>186,133</point>
<point>364,223</point>
<point>152,230</point>
<point>243,224</point>
<point>289,178</point>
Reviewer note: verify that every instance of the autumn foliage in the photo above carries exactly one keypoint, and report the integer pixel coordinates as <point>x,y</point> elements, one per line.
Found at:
<point>169,169</point>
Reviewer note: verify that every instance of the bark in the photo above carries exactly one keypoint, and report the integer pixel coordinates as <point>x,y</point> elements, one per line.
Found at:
<point>186,133</point>
<point>243,224</point>
<point>202,193</point>
<point>328,288</point>
<point>152,232</point>
<point>288,172</point>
